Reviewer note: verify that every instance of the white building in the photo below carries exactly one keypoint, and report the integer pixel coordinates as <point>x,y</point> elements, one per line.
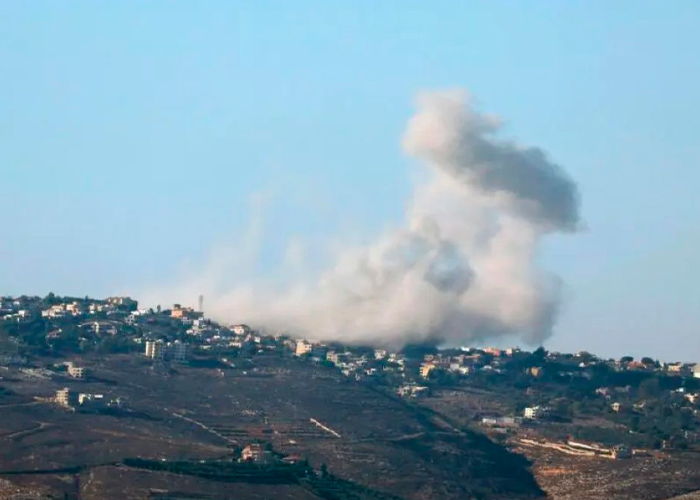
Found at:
<point>56,311</point>
<point>74,308</point>
<point>303,347</point>
<point>155,349</point>
<point>65,397</point>
<point>76,371</point>
<point>159,350</point>
<point>240,330</point>
<point>255,453</point>
<point>535,412</point>
<point>410,390</point>
<point>91,399</point>
<point>696,371</point>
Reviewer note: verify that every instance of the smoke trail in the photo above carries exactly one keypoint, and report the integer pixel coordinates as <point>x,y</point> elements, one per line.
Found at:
<point>462,267</point>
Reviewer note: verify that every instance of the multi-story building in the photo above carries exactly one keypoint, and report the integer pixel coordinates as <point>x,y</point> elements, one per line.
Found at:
<point>56,311</point>
<point>181,312</point>
<point>425,369</point>
<point>74,308</point>
<point>536,412</point>
<point>303,347</point>
<point>178,351</point>
<point>155,349</point>
<point>76,371</point>
<point>159,350</point>
<point>240,330</point>
<point>123,303</point>
<point>93,400</point>
<point>493,351</point>
<point>65,397</point>
<point>255,452</point>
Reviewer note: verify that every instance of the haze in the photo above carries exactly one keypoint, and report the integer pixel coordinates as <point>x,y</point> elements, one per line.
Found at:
<point>142,144</point>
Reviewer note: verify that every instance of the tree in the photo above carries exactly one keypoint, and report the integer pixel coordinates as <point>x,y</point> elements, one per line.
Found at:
<point>575,408</point>
<point>649,388</point>
<point>540,353</point>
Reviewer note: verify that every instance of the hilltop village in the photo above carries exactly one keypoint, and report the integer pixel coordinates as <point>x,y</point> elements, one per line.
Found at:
<point>69,354</point>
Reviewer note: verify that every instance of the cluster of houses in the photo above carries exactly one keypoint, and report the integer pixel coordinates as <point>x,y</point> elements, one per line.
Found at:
<point>361,365</point>
<point>70,399</point>
<point>468,361</point>
<point>13,309</point>
<point>211,335</point>
<point>21,308</point>
<point>349,362</point>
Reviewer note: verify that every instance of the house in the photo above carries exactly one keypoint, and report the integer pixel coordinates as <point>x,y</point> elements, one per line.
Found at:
<point>76,371</point>
<point>425,369</point>
<point>127,302</point>
<point>674,368</point>
<point>536,412</point>
<point>241,329</point>
<point>103,327</point>
<point>74,308</point>
<point>91,400</point>
<point>399,359</point>
<point>255,453</point>
<point>159,350</point>
<point>616,407</point>
<point>57,311</point>
<point>696,371</point>
<point>536,371</point>
<point>64,397</point>
<point>457,368</point>
<point>493,351</point>
<point>692,397</point>
<point>155,349</point>
<point>412,391</point>
<point>303,347</point>
<point>504,422</point>
<point>97,307</point>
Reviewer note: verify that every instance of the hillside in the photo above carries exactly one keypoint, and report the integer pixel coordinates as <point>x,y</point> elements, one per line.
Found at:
<point>368,442</point>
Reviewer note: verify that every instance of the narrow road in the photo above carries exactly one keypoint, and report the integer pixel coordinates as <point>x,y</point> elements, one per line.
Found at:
<point>205,427</point>
<point>26,432</point>
<point>325,428</point>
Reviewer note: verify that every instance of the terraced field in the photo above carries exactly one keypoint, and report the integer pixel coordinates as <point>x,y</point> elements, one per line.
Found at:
<point>359,434</point>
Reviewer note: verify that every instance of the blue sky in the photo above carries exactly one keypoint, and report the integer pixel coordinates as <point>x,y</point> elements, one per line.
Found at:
<point>133,134</point>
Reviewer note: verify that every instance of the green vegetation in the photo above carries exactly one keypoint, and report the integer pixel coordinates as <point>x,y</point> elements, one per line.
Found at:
<point>322,483</point>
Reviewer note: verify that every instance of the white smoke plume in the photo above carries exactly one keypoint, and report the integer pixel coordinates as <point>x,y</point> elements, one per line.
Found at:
<point>463,266</point>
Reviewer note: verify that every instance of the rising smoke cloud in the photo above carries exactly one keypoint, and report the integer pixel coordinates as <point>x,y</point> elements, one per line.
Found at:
<point>462,267</point>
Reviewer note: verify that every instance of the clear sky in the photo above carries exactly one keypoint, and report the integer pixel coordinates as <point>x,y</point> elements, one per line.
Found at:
<point>133,134</point>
